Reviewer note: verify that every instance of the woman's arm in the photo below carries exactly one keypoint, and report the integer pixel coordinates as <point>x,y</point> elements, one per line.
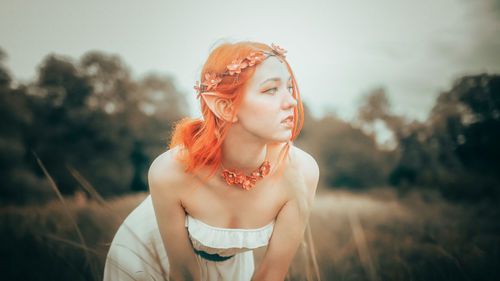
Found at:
<point>165,184</point>
<point>303,172</point>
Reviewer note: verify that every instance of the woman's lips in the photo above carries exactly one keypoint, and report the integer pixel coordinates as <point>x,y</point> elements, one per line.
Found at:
<point>288,122</point>
<point>289,117</point>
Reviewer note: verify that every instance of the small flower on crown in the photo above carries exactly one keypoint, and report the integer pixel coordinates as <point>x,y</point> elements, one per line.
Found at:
<point>237,66</point>
<point>255,57</point>
<point>197,88</point>
<point>212,80</point>
<point>279,51</point>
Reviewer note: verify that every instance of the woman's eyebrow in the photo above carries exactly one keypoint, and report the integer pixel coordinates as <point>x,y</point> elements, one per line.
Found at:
<point>274,79</point>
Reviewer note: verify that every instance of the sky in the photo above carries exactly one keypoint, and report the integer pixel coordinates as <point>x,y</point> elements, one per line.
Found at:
<point>339,50</point>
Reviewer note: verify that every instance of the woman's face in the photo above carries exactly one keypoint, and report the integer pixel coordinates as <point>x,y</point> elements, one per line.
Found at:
<point>268,102</point>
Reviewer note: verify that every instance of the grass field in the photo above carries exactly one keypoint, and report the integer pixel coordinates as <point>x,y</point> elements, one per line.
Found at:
<point>374,235</point>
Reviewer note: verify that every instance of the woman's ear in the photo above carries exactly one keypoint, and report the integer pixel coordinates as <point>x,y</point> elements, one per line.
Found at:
<point>221,107</point>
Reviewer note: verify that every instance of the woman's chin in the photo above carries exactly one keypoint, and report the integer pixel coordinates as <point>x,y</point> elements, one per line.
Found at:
<point>282,137</point>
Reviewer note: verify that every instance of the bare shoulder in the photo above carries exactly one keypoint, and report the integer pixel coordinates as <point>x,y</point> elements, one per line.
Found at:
<point>165,172</point>
<point>308,166</point>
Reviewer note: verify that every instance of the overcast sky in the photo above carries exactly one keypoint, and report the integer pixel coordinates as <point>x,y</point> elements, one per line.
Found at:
<point>339,50</point>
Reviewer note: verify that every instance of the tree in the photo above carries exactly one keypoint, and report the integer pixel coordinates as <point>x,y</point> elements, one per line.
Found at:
<point>346,155</point>
<point>18,179</point>
<point>466,127</point>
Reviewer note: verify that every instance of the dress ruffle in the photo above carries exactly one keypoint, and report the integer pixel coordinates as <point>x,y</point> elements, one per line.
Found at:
<point>226,241</point>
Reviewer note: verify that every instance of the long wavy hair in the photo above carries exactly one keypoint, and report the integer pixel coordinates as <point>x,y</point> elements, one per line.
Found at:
<point>201,139</point>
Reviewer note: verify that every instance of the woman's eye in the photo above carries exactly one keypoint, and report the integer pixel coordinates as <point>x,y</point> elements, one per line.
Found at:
<point>271,91</point>
<point>290,89</point>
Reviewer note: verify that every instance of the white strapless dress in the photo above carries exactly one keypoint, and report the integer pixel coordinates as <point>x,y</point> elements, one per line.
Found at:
<point>137,251</point>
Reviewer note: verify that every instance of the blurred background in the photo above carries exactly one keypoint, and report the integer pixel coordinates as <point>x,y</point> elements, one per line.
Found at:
<point>402,113</point>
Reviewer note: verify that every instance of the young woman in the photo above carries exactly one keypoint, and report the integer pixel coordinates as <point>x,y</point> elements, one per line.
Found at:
<point>229,183</point>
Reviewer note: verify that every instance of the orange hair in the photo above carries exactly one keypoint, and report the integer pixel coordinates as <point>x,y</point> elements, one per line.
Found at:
<point>202,139</point>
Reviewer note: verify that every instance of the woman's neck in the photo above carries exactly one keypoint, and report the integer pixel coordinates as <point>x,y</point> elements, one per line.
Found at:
<point>242,153</point>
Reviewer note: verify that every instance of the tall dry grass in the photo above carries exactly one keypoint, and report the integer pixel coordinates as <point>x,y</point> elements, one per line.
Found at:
<point>378,236</point>
<point>373,235</point>
<point>41,242</point>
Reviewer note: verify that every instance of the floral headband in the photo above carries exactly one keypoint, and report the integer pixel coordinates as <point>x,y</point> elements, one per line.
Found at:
<point>212,80</point>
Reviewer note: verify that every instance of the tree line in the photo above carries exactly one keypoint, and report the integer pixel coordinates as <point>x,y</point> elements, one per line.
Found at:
<point>90,119</point>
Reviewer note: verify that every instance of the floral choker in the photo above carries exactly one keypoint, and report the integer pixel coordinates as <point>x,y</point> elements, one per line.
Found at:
<point>244,181</point>
<point>235,67</point>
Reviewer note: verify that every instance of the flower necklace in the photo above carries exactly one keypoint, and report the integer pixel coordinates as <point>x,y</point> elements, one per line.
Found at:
<point>246,182</point>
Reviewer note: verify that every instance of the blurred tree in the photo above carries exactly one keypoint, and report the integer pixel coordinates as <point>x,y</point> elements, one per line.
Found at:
<point>4,73</point>
<point>415,165</point>
<point>465,126</point>
<point>15,117</point>
<point>90,116</point>
<point>479,140</point>
<point>62,84</point>
<point>420,162</point>
<point>113,88</point>
<point>61,128</point>
<point>346,155</point>
<point>160,105</point>
<point>457,149</point>
<point>410,153</point>
<point>376,106</point>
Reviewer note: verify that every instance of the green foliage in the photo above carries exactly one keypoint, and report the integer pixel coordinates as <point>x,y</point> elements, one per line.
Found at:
<point>465,126</point>
<point>90,116</point>
<point>457,150</point>
<point>347,156</point>
<point>4,73</point>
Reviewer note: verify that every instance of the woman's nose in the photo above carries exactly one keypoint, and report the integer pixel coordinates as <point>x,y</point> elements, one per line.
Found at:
<point>289,101</point>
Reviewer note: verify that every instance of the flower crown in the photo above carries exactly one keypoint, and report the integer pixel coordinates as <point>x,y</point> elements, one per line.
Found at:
<point>212,80</point>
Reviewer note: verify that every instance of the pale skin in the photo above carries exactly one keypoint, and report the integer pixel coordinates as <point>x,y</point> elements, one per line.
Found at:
<point>256,127</point>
